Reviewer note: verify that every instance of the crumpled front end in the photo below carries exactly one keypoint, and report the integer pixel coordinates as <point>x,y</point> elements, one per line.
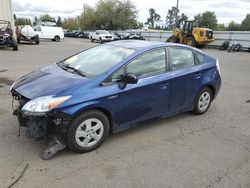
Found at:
<point>50,127</point>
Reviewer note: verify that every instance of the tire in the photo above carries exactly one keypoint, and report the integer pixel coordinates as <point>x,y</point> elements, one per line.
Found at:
<point>201,46</point>
<point>85,140</point>
<point>202,105</point>
<point>37,40</point>
<point>57,38</point>
<point>190,41</point>
<point>92,40</point>
<point>14,45</point>
<point>171,39</point>
<point>101,41</point>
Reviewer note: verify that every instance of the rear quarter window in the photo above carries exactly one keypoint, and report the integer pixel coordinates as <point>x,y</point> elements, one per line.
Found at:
<point>200,58</point>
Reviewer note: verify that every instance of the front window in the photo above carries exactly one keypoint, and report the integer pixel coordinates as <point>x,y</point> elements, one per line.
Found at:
<point>97,60</point>
<point>149,64</point>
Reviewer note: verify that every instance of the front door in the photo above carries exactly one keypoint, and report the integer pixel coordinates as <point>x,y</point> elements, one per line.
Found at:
<point>150,96</point>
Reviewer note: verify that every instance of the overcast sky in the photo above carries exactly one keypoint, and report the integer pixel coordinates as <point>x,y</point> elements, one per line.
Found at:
<point>225,10</point>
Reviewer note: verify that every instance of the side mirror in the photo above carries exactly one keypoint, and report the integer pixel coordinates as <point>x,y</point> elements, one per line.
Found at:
<point>130,78</point>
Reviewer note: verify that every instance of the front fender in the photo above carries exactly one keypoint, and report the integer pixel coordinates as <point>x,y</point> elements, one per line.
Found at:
<point>75,109</point>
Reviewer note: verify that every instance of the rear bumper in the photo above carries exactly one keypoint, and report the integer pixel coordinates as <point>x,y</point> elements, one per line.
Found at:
<point>217,86</point>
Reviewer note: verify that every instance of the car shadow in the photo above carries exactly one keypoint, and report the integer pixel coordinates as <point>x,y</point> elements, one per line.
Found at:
<point>146,126</point>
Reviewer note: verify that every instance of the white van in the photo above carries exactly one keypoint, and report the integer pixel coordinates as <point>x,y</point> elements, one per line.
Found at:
<point>53,33</point>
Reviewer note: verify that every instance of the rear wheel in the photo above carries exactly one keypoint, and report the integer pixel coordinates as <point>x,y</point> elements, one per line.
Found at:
<point>203,101</point>
<point>190,42</point>
<point>57,38</point>
<point>14,45</point>
<point>37,40</point>
<point>88,131</point>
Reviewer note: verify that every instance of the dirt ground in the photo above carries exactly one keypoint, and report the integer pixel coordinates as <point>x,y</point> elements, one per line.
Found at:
<point>185,151</point>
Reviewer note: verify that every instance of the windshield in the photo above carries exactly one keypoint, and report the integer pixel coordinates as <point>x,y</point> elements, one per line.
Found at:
<point>104,32</point>
<point>97,60</point>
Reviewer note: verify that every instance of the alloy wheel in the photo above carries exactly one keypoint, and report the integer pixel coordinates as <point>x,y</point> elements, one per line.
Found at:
<point>89,132</point>
<point>204,101</point>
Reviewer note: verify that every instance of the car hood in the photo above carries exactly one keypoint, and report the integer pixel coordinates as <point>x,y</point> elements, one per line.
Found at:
<point>106,35</point>
<point>51,80</point>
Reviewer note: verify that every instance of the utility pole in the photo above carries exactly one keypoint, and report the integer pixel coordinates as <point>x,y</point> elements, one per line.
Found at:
<point>176,14</point>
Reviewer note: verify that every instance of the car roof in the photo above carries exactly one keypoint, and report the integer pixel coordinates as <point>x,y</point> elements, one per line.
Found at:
<point>143,44</point>
<point>135,44</point>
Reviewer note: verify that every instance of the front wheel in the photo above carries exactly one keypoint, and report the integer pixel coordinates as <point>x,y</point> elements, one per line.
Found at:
<point>190,41</point>
<point>171,39</point>
<point>203,101</point>
<point>88,131</point>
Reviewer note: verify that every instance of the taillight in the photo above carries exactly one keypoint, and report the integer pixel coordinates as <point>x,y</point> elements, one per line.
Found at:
<point>218,66</point>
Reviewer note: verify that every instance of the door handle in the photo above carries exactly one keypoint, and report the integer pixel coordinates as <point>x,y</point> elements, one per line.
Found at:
<point>197,75</point>
<point>164,85</point>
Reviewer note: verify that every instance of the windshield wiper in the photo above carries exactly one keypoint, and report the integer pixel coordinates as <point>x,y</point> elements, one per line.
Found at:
<point>73,70</point>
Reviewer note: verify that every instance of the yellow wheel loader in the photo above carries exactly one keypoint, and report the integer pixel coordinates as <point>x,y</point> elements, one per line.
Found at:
<point>192,35</point>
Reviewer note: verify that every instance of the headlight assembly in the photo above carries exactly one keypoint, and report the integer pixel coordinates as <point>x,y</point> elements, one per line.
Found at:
<point>44,104</point>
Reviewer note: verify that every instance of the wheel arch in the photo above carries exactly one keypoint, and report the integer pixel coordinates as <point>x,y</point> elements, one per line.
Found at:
<point>212,88</point>
<point>101,109</point>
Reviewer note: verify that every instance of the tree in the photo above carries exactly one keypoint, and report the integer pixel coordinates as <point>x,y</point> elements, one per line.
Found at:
<point>207,19</point>
<point>70,24</point>
<point>22,21</point>
<point>153,17</point>
<point>47,17</point>
<point>109,14</point>
<point>170,18</point>
<point>221,27</point>
<point>181,19</point>
<point>59,22</point>
<point>88,18</point>
<point>233,26</point>
<point>245,25</point>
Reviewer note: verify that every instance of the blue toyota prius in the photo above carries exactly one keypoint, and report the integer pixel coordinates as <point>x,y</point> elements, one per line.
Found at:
<point>78,101</point>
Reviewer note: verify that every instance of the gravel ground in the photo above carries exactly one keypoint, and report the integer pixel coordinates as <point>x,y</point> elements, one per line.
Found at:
<point>212,150</point>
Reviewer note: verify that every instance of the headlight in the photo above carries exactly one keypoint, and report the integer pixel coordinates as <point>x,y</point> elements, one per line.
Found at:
<point>44,104</point>
<point>11,87</point>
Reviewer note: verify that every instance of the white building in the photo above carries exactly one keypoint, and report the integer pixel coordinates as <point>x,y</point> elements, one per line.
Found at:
<point>6,13</point>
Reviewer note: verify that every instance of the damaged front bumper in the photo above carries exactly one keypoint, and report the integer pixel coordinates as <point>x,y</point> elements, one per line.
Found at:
<point>50,127</point>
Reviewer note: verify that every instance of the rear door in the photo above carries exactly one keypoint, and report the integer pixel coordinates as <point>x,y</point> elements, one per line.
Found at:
<point>185,78</point>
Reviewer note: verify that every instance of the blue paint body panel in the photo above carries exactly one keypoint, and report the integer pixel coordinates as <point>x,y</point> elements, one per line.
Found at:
<point>166,94</point>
